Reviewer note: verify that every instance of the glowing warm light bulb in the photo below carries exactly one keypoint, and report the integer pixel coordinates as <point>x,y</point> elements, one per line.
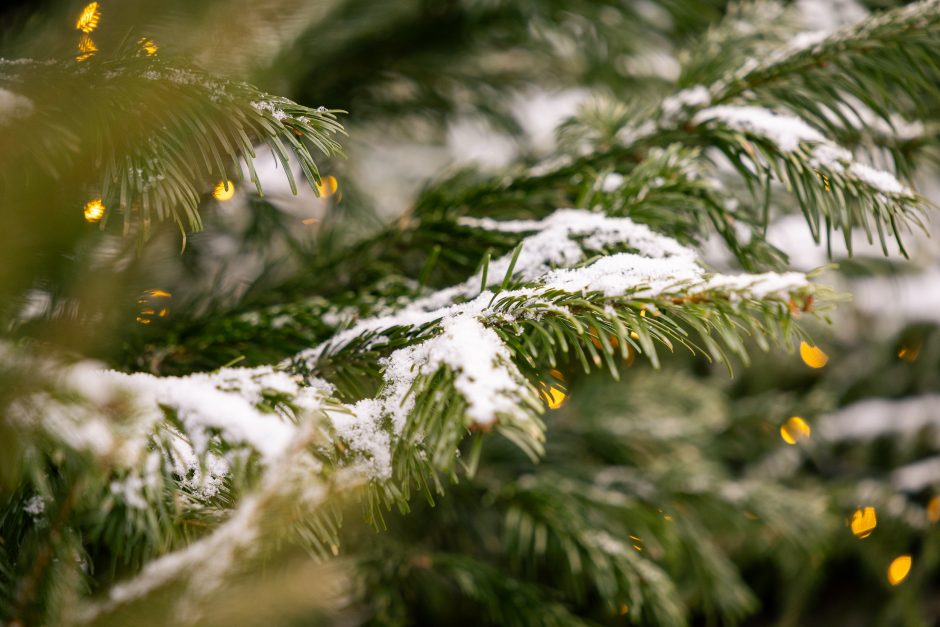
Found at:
<point>899,568</point>
<point>94,210</point>
<point>89,18</point>
<point>933,509</point>
<point>794,430</point>
<point>151,305</point>
<point>86,48</point>
<point>864,522</point>
<point>327,186</point>
<point>813,356</point>
<point>148,46</point>
<point>554,397</point>
<point>223,191</point>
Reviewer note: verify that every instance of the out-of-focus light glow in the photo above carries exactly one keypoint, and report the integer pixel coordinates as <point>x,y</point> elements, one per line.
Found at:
<point>224,190</point>
<point>794,430</point>
<point>864,522</point>
<point>813,356</point>
<point>89,18</point>
<point>86,48</point>
<point>909,353</point>
<point>148,46</point>
<point>327,186</point>
<point>596,339</point>
<point>151,305</point>
<point>94,210</point>
<point>899,568</point>
<point>554,397</point>
<point>309,221</point>
<point>933,509</point>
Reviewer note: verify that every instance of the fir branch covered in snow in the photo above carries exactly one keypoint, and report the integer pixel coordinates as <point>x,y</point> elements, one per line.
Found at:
<point>402,374</point>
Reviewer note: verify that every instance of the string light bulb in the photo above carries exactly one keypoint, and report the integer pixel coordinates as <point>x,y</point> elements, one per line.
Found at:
<point>148,46</point>
<point>899,568</point>
<point>89,18</point>
<point>864,521</point>
<point>153,305</point>
<point>94,210</point>
<point>86,48</point>
<point>553,395</point>
<point>794,430</point>
<point>224,190</point>
<point>813,356</point>
<point>327,186</point>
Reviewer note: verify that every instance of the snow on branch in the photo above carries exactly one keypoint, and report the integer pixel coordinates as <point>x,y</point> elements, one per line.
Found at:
<point>789,133</point>
<point>448,331</point>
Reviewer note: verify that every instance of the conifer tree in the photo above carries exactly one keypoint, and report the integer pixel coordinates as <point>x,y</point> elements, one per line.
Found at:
<point>556,388</point>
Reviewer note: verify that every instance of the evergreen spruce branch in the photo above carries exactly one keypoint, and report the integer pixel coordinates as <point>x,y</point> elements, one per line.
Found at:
<point>583,529</point>
<point>881,61</point>
<point>855,200</point>
<point>185,131</point>
<point>902,32</point>
<point>612,469</point>
<point>834,192</point>
<point>504,600</point>
<point>440,372</point>
<point>431,396</point>
<point>159,461</point>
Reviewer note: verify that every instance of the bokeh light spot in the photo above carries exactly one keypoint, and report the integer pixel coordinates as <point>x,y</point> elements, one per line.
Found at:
<point>864,521</point>
<point>899,568</point>
<point>89,18</point>
<point>813,356</point>
<point>794,430</point>
<point>327,186</point>
<point>94,210</point>
<point>224,190</point>
<point>933,509</point>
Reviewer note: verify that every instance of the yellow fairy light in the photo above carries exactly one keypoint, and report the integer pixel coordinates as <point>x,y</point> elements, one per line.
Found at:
<point>89,18</point>
<point>152,305</point>
<point>86,48</point>
<point>94,210</point>
<point>148,46</point>
<point>899,568</point>
<point>554,397</point>
<point>327,186</point>
<point>813,356</point>
<point>794,430</point>
<point>224,190</point>
<point>933,509</point>
<point>864,522</point>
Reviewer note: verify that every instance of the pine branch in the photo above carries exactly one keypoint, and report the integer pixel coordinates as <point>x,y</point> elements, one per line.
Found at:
<point>160,136</point>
